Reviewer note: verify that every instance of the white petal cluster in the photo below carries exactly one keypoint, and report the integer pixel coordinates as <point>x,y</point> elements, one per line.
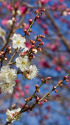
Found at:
<point>12,113</point>
<point>32,72</point>
<point>2,32</point>
<point>7,79</point>
<point>18,41</point>
<point>22,63</point>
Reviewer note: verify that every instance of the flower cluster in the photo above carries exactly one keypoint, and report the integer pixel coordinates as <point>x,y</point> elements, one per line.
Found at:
<point>7,79</point>
<point>23,63</point>
<point>8,75</point>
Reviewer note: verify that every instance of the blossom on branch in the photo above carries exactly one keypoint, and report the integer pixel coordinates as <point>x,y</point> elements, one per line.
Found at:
<point>7,79</point>
<point>32,72</point>
<point>22,63</point>
<point>18,41</point>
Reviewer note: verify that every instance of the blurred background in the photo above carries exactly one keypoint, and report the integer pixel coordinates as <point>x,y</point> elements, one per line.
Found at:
<point>53,61</point>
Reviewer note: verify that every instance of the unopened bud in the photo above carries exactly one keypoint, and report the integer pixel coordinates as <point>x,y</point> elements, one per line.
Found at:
<point>30,30</point>
<point>9,47</point>
<point>66,80</point>
<point>30,21</point>
<point>54,87</point>
<point>65,77</point>
<point>34,50</point>
<point>37,17</point>
<point>36,11</point>
<point>25,31</point>
<point>38,90</point>
<point>42,43</point>
<point>56,90</point>
<point>9,52</point>
<point>42,80</point>
<point>5,58</point>
<point>32,41</point>
<point>61,84</point>
<point>39,40</point>
<point>36,86</point>
<point>42,36</point>
<point>45,100</point>
<point>48,78</point>
<point>39,49</point>
<point>43,10</point>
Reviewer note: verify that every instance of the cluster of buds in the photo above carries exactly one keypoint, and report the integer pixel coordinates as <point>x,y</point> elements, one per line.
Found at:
<point>28,99</point>
<point>34,49</point>
<point>37,99</point>
<point>60,83</point>
<point>54,88</point>
<point>1,53</point>
<point>9,49</point>
<point>45,81</point>
<point>38,13</point>
<point>37,88</point>
<point>65,78</point>
<point>1,56</point>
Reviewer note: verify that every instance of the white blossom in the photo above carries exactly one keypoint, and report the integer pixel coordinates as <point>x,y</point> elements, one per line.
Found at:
<point>22,63</point>
<point>7,87</point>
<point>2,32</point>
<point>12,113</point>
<point>18,41</point>
<point>7,79</point>
<point>33,71</point>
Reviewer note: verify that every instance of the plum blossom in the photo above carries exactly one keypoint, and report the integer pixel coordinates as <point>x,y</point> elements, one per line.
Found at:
<point>22,63</point>
<point>18,41</point>
<point>7,79</point>
<point>33,71</point>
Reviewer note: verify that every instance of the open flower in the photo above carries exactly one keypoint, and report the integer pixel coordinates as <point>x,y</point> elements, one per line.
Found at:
<point>22,63</point>
<point>32,73</point>
<point>7,79</point>
<point>12,113</point>
<point>7,87</point>
<point>18,41</point>
<point>8,74</point>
